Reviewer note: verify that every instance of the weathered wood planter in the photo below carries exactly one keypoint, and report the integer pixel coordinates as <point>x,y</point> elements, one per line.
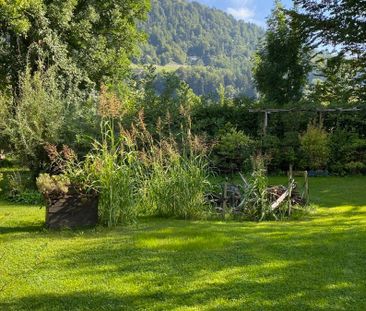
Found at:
<point>71,210</point>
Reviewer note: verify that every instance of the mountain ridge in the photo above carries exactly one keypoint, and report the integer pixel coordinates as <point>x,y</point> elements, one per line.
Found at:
<point>209,46</point>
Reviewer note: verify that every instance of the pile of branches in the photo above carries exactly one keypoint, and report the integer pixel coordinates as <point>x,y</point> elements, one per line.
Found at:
<point>255,200</point>
<point>275,192</point>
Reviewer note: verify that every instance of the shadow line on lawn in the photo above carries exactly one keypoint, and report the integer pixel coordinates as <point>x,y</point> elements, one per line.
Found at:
<point>215,267</point>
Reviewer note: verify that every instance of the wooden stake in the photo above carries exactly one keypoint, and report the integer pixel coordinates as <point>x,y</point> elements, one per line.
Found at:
<point>265,122</point>
<point>225,200</point>
<point>306,188</point>
<point>290,185</point>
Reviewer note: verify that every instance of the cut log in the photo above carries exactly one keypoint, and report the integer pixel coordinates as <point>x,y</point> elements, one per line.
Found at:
<point>287,193</point>
<point>280,200</point>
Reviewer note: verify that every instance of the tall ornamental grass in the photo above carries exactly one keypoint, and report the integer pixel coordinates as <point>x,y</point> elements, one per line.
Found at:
<point>116,179</point>
<point>140,172</point>
<point>115,163</point>
<point>175,186</point>
<point>175,173</point>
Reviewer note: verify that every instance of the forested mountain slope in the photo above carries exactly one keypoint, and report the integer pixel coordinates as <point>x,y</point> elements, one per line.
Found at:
<point>205,46</point>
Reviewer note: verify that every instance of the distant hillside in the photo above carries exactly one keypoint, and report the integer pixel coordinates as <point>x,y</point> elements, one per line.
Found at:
<point>208,46</point>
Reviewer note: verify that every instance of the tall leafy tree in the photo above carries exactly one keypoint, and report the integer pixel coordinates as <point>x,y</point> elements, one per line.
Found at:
<point>341,83</point>
<point>282,62</point>
<point>341,23</point>
<point>92,40</point>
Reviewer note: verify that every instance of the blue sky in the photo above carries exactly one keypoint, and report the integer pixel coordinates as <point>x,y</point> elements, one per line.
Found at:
<point>254,11</point>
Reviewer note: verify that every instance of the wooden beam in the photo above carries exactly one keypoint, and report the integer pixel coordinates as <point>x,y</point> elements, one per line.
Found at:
<point>272,110</point>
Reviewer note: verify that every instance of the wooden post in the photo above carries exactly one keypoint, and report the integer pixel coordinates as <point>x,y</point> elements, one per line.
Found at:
<point>290,171</point>
<point>290,185</point>
<point>225,200</point>
<point>265,122</point>
<point>306,187</point>
<point>225,195</point>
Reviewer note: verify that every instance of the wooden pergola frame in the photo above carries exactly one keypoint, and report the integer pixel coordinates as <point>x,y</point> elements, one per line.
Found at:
<point>268,111</point>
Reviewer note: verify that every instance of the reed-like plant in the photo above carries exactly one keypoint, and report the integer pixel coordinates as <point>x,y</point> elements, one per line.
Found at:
<point>176,174</point>
<point>115,164</point>
<point>176,187</point>
<point>117,176</point>
<point>256,205</point>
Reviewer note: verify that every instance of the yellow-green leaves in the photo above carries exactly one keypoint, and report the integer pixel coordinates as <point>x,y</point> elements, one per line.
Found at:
<point>16,13</point>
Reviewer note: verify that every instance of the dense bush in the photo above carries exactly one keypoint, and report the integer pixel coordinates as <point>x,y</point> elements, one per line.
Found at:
<point>315,147</point>
<point>17,187</point>
<point>346,152</point>
<point>44,112</point>
<point>232,150</point>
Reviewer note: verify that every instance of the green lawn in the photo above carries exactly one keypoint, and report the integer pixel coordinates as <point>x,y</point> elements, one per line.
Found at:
<point>318,263</point>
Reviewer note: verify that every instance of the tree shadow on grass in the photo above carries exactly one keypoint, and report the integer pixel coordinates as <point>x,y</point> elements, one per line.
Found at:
<point>209,266</point>
<point>22,229</point>
<point>228,296</point>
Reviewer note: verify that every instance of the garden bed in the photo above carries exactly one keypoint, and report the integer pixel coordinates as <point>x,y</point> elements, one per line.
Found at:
<point>72,210</point>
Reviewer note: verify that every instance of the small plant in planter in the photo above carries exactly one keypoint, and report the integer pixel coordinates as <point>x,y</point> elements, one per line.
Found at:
<point>71,200</point>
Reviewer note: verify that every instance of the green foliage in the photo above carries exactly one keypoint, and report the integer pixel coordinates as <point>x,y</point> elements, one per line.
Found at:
<point>338,23</point>
<point>211,118</point>
<point>207,46</point>
<point>27,197</point>
<point>17,188</point>
<point>165,102</point>
<point>282,62</point>
<point>315,147</point>
<point>340,85</point>
<point>38,116</point>
<point>89,41</point>
<point>271,147</point>
<point>233,150</point>
<point>348,152</point>
<point>356,167</point>
<point>45,114</point>
<point>256,205</point>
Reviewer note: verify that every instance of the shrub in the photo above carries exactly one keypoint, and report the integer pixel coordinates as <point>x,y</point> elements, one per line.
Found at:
<point>38,116</point>
<point>271,147</point>
<point>19,189</point>
<point>28,196</point>
<point>315,147</point>
<point>53,184</point>
<point>233,150</point>
<point>290,146</point>
<point>355,167</point>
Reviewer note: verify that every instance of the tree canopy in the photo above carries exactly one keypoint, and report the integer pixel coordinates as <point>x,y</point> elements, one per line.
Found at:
<point>282,62</point>
<point>341,24</point>
<point>91,40</point>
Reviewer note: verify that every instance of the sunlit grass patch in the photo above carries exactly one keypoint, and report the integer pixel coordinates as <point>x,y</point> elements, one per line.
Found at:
<point>315,263</point>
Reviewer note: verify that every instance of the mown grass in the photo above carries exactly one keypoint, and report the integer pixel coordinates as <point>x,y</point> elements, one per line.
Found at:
<point>317,263</point>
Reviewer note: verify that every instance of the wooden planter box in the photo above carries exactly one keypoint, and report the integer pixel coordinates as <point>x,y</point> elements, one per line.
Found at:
<point>71,210</point>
